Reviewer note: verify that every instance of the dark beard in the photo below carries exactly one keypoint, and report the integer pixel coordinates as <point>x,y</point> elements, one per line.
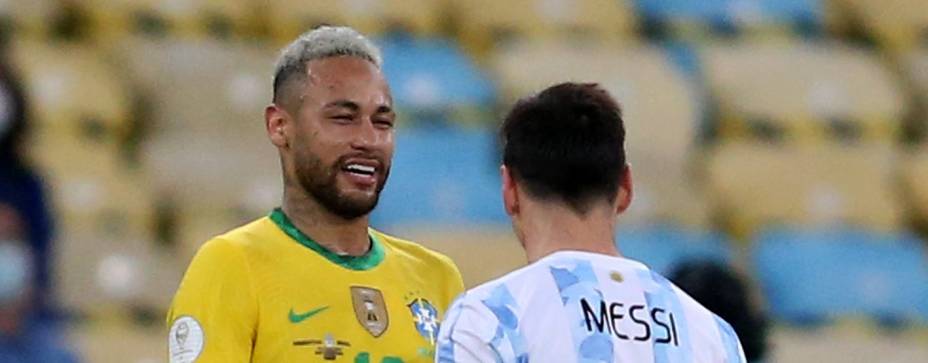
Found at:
<point>320,182</point>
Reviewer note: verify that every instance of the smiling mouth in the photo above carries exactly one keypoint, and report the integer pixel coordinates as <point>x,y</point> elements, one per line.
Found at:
<point>361,170</point>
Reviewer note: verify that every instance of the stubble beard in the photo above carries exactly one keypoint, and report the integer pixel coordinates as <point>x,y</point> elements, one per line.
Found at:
<point>320,181</point>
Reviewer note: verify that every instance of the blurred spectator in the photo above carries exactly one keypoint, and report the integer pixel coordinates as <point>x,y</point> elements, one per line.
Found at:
<point>23,337</point>
<point>20,186</point>
<point>721,290</point>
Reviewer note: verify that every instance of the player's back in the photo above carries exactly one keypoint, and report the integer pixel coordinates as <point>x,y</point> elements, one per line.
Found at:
<point>584,307</point>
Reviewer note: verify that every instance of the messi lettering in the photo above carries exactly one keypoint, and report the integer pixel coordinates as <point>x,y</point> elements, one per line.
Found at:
<point>655,324</point>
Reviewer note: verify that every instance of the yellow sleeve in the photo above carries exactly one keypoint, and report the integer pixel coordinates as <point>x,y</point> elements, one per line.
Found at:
<point>214,313</point>
<point>455,284</point>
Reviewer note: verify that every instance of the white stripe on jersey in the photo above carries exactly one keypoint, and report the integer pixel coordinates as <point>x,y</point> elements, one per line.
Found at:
<point>583,307</point>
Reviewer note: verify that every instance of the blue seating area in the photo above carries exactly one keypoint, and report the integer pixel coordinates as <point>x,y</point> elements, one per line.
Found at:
<point>442,178</point>
<point>433,78</point>
<point>663,246</point>
<point>731,16</point>
<point>815,276</point>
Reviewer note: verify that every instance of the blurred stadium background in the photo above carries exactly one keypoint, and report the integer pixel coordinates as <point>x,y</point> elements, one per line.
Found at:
<point>784,138</point>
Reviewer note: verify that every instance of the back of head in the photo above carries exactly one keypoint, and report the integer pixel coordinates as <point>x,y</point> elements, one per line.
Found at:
<point>725,293</point>
<point>566,144</point>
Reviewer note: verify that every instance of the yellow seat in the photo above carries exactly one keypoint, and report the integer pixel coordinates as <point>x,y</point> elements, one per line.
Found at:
<point>485,22</point>
<point>73,93</point>
<point>32,19</point>
<point>795,87</point>
<point>207,100</point>
<point>899,24</point>
<point>916,64</point>
<point>915,179</point>
<point>480,255</point>
<point>199,86</point>
<point>100,208</point>
<point>182,18</point>
<point>755,184</point>
<point>654,97</point>
<point>287,19</point>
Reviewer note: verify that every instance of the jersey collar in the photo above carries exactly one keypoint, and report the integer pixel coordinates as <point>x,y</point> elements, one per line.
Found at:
<point>369,260</point>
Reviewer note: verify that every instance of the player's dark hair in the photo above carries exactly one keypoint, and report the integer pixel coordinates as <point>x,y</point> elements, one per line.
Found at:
<point>566,143</point>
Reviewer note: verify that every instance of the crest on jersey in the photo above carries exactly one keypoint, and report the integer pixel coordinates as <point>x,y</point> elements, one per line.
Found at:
<point>425,316</point>
<point>370,309</point>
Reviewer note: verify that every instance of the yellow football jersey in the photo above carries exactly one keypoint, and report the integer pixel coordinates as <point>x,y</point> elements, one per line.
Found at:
<point>265,292</point>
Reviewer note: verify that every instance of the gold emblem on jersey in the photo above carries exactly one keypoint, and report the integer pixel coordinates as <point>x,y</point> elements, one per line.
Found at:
<point>370,309</point>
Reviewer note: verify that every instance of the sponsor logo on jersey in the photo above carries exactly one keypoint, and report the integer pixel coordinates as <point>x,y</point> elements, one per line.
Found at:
<point>298,318</point>
<point>370,309</point>
<point>327,347</point>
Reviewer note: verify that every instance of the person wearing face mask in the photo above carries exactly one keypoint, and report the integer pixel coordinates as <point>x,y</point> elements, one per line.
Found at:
<point>23,337</point>
<point>20,186</point>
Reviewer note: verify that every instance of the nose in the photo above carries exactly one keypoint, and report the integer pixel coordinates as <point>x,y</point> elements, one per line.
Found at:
<point>366,136</point>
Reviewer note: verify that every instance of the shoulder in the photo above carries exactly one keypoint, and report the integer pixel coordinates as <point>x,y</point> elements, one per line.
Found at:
<point>231,249</point>
<point>248,235</point>
<point>414,252</point>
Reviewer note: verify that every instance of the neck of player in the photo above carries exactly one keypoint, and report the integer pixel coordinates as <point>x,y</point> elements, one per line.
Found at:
<point>334,233</point>
<point>549,227</point>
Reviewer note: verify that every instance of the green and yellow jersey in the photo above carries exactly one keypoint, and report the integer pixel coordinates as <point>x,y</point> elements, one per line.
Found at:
<point>265,292</point>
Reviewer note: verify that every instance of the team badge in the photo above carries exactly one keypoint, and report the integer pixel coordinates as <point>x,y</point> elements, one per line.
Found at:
<point>370,309</point>
<point>426,318</point>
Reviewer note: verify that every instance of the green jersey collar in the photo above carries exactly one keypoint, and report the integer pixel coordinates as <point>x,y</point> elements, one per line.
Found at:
<point>369,260</point>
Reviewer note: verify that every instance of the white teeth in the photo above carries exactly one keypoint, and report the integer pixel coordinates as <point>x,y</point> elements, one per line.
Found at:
<point>361,168</point>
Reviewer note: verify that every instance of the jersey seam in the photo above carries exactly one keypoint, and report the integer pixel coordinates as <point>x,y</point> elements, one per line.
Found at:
<point>254,295</point>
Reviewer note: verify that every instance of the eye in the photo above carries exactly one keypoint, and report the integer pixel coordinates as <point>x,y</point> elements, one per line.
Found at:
<point>342,118</point>
<point>385,123</point>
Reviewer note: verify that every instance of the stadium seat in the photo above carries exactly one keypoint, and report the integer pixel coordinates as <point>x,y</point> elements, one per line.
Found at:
<point>289,18</point>
<point>82,114</point>
<point>754,184</point>
<point>655,97</point>
<point>915,179</point>
<point>803,92</point>
<point>898,24</point>
<point>707,18</point>
<point>482,23</point>
<point>812,276</point>
<point>113,19</point>
<point>663,246</point>
<point>100,206</point>
<point>28,18</point>
<point>206,152</point>
<point>442,178</point>
<point>100,277</point>
<point>199,86</point>
<point>432,81</point>
<point>73,93</point>
<point>916,67</point>
<point>481,254</point>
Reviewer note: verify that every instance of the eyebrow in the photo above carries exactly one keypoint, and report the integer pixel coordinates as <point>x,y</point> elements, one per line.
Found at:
<point>353,106</point>
<point>343,104</point>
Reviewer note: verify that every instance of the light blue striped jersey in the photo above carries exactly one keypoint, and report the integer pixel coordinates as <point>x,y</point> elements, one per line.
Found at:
<point>574,306</point>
